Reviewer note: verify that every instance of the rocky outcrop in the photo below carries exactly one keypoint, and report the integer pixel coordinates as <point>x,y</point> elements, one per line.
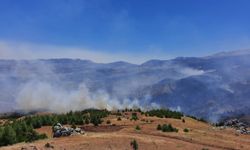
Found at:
<point>240,127</point>
<point>59,130</point>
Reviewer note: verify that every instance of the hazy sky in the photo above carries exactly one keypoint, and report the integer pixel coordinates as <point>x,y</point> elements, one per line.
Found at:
<point>130,30</point>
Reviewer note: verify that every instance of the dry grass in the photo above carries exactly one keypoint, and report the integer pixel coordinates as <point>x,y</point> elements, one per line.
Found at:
<point>200,136</point>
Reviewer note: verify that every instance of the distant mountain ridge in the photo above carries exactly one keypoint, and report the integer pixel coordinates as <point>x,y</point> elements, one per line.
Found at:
<point>208,87</point>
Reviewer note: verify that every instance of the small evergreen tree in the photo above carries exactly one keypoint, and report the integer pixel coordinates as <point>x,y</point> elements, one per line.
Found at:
<point>8,136</point>
<point>137,128</point>
<point>134,116</point>
<point>158,127</point>
<point>185,130</point>
<point>134,144</point>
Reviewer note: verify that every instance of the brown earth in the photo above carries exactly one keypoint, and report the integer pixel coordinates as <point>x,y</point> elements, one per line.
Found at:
<point>119,134</point>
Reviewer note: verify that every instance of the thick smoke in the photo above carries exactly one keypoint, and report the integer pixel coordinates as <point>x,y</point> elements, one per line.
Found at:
<point>37,95</point>
<point>45,90</point>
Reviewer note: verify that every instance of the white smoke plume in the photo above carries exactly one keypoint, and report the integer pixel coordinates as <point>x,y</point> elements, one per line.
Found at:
<point>37,95</point>
<point>41,91</point>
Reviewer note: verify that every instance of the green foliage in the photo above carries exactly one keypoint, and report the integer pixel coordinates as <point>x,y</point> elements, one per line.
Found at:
<point>73,126</point>
<point>22,130</point>
<point>11,116</point>
<point>137,128</point>
<point>221,123</point>
<point>33,136</point>
<point>168,128</point>
<point>77,118</point>
<point>86,120</point>
<point>134,116</point>
<point>95,120</point>
<point>158,127</point>
<point>1,136</point>
<point>134,144</point>
<point>198,119</point>
<point>117,114</point>
<point>186,130</point>
<point>18,131</point>
<point>8,136</point>
<point>161,113</point>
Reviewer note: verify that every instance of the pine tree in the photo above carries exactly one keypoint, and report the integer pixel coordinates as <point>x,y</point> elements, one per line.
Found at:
<point>9,136</point>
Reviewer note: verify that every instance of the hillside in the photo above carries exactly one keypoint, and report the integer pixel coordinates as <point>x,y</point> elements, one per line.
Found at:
<point>201,136</point>
<point>208,87</point>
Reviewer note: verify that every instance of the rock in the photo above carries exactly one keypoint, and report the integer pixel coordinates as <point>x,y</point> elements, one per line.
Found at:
<point>238,125</point>
<point>59,130</point>
<point>57,133</point>
<point>78,130</point>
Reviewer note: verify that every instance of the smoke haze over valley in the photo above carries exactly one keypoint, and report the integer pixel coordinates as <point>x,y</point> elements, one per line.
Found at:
<point>209,87</point>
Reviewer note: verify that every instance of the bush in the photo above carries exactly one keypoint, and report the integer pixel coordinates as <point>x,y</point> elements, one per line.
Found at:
<point>73,126</point>
<point>119,119</point>
<point>137,128</point>
<point>168,128</point>
<point>183,120</point>
<point>95,120</point>
<point>158,127</point>
<point>48,145</point>
<point>161,113</point>
<point>108,122</point>
<point>185,130</point>
<point>87,121</point>
<point>134,116</point>
<point>8,136</point>
<point>134,144</point>
<point>198,119</point>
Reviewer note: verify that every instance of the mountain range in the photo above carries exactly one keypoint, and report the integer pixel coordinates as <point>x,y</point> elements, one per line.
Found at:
<point>210,87</point>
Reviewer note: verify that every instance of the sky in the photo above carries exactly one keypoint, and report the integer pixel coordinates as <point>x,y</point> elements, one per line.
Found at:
<point>125,30</point>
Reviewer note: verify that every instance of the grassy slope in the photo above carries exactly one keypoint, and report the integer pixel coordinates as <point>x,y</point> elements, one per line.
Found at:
<point>201,136</point>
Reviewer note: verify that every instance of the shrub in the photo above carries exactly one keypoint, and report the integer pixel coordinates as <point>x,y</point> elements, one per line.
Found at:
<point>134,144</point>
<point>87,121</point>
<point>134,116</point>
<point>198,119</point>
<point>108,122</point>
<point>48,145</point>
<point>185,130</point>
<point>73,126</point>
<point>95,120</point>
<point>161,113</point>
<point>168,128</point>
<point>158,127</point>
<point>8,136</point>
<point>119,119</point>
<point>183,120</point>
<point>137,128</point>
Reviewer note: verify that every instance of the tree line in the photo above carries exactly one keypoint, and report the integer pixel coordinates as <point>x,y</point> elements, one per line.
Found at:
<point>22,129</point>
<point>165,113</point>
<point>18,131</point>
